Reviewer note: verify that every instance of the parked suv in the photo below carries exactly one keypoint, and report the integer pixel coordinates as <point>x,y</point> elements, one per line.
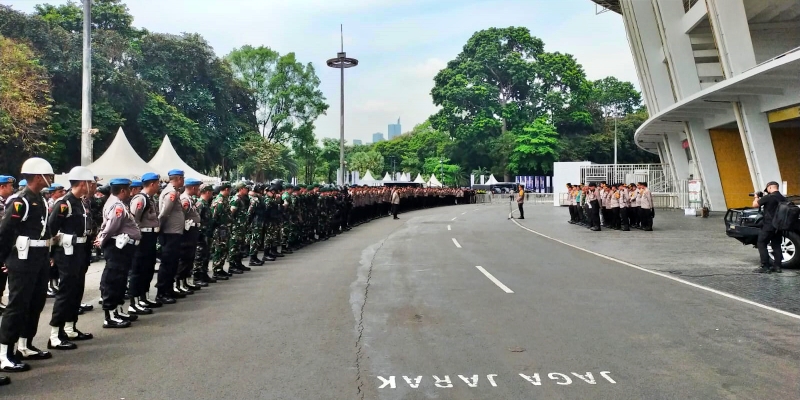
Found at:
<point>744,224</point>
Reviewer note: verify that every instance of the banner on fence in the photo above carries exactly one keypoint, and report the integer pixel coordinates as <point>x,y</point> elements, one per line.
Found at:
<point>695,191</point>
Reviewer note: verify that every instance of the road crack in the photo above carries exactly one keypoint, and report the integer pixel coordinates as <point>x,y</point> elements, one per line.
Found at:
<point>360,328</point>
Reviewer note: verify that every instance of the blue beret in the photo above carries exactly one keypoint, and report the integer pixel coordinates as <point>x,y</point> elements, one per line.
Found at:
<point>175,172</point>
<point>6,179</point>
<point>136,183</point>
<point>56,186</point>
<point>120,182</point>
<point>23,182</point>
<point>191,182</point>
<point>150,176</point>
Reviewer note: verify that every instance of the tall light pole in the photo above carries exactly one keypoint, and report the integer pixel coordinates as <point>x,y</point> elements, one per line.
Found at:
<point>341,61</point>
<point>615,150</point>
<point>86,103</point>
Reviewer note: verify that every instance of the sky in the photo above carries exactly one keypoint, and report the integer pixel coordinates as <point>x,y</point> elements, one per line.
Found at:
<point>400,44</point>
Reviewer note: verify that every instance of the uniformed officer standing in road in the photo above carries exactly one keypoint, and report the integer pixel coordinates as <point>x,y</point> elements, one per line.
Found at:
<point>118,239</point>
<point>221,226</point>
<point>256,214</point>
<point>144,208</point>
<point>203,250</point>
<point>191,235</point>
<point>25,247</point>
<point>173,220</point>
<point>70,220</point>
<point>6,190</point>
<point>239,203</point>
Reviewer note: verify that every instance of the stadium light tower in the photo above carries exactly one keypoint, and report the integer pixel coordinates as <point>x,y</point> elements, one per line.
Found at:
<point>341,62</point>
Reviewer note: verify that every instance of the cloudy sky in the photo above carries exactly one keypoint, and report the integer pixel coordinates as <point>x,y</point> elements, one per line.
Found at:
<point>400,44</point>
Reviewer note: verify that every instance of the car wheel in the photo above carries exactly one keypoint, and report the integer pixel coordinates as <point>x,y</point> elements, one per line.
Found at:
<point>789,245</point>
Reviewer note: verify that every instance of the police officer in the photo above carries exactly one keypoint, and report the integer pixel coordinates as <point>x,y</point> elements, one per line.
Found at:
<point>769,235</point>
<point>6,190</point>
<point>118,240</point>
<point>25,246</point>
<point>190,237</point>
<point>70,220</point>
<point>144,208</point>
<point>206,233</point>
<point>173,222</point>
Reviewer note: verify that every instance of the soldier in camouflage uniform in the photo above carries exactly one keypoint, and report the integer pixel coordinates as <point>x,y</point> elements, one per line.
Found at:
<point>271,223</point>
<point>256,214</point>
<point>239,204</point>
<point>203,253</point>
<point>221,226</point>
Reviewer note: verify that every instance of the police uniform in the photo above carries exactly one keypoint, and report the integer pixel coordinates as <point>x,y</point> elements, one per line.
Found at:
<point>144,208</point>
<point>118,240</point>
<point>173,220</point>
<point>70,219</point>
<point>191,235</point>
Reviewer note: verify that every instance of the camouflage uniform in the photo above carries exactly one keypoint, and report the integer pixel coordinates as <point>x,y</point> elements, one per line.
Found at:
<point>203,254</point>
<point>221,226</point>
<point>238,239</point>
<point>255,216</point>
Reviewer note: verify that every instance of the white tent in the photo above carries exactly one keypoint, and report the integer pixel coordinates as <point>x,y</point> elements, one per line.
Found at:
<point>433,182</point>
<point>491,180</point>
<point>119,161</point>
<point>405,177</point>
<point>419,179</point>
<point>167,158</point>
<point>387,178</point>
<point>369,180</point>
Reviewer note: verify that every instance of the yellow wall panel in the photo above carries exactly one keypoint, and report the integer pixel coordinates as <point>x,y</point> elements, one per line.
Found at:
<point>732,166</point>
<point>787,149</point>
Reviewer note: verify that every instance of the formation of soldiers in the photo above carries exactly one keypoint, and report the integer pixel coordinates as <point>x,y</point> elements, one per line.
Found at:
<point>191,229</point>
<point>617,206</point>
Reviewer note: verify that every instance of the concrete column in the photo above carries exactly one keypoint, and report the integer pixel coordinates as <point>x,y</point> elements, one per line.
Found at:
<point>754,127</point>
<point>732,34</point>
<point>681,163</point>
<point>678,47</point>
<point>703,153</point>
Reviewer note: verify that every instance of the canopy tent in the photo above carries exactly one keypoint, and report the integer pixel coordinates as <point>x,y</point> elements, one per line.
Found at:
<point>419,179</point>
<point>369,180</point>
<point>433,182</point>
<point>387,178</point>
<point>491,180</point>
<point>119,161</point>
<point>404,177</point>
<point>167,158</point>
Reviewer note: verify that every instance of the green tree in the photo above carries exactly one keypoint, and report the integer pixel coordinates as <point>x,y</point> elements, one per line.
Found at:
<point>24,102</point>
<point>367,161</point>
<point>535,148</point>
<point>286,91</point>
<point>259,158</point>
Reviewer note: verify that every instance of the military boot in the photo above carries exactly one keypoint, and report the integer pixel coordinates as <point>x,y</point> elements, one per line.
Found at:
<point>255,262</point>
<point>274,252</point>
<point>112,321</point>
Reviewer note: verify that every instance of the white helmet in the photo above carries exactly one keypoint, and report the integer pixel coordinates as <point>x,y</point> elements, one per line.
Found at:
<point>37,166</point>
<point>80,174</point>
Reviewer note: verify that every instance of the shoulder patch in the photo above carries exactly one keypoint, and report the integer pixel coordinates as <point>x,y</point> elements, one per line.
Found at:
<point>118,210</point>
<point>172,196</point>
<point>63,207</point>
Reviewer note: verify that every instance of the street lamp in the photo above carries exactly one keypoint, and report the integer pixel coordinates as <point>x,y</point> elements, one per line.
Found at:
<point>341,62</point>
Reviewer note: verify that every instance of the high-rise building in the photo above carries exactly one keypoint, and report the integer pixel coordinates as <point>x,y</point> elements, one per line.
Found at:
<point>377,137</point>
<point>356,142</point>
<point>720,80</point>
<point>395,130</point>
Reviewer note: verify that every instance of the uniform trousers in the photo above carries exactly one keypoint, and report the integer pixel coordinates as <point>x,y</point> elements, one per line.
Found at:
<point>773,238</point>
<point>27,294</point>
<point>187,253</point>
<point>143,265</point>
<point>72,279</point>
<point>202,255</point>
<point>115,274</point>
<point>594,214</point>
<point>646,218</point>
<point>623,217</point>
<point>170,254</point>
<point>3,280</point>
<point>394,210</point>
<point>615,223</point>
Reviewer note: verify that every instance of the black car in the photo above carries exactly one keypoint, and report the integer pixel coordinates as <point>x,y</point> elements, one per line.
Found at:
<point>744,224</point>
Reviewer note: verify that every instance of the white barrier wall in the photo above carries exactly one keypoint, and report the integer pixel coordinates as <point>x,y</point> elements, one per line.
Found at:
<point>563,173</point>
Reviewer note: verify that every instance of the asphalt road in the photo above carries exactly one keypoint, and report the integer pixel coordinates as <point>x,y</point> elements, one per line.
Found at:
<point>449,303</point>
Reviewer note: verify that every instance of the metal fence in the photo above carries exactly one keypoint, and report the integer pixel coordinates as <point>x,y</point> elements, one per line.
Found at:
<point>678,198</point>
<point>657,176</point>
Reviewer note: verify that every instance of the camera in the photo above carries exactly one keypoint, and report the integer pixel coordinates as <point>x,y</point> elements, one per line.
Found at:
<point>756,194</point>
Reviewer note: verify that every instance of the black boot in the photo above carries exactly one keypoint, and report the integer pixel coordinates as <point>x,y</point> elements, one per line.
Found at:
<point>255,262</point>
<point>220,275</point>
<point>241,266</point>
<point>135,309</point>
<point>148,303</point>
<point>121,314</point>
<point>190,286</point>
<point>268,256</point>
<point>9,361</point>
<point>111,321</point>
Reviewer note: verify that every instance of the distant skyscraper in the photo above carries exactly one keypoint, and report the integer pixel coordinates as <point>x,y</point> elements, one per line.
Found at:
<point>395,130</point>
<point>356,142</point>
<point>377,137</point>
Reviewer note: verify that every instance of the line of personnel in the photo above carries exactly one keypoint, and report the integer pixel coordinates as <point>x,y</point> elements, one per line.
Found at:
<point>617,206</point>
<point>186,225</point>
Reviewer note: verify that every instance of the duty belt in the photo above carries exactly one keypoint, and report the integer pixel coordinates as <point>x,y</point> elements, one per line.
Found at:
<point>40,243</point>
<point>195,224</point>
<point>148,230</point>
<point>131,241</point>
<point>80,239</point>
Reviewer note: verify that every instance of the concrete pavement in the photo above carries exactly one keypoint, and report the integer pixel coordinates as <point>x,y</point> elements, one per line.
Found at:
<point>400,310</point>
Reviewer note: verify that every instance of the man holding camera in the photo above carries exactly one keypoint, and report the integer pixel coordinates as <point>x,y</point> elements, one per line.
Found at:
<point>769,234</point>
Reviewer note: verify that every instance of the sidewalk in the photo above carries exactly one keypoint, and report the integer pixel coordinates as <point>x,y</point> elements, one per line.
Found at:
<point>691,248</point>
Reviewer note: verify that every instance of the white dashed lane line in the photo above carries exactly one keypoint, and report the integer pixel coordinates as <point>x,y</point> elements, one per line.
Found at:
<point>493,279</point>
<point>454,218</point>
<point>455,242</point>
<point>448,227</point>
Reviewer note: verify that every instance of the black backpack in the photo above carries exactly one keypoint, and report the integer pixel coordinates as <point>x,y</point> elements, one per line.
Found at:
<point>786,216</point>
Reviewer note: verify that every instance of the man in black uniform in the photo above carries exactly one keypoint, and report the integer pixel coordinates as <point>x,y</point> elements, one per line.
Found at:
<point>6,190</point>
<point>25,247</point>
<point>118,239</point>
<point>69,219</point>
<point>769,235</point>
